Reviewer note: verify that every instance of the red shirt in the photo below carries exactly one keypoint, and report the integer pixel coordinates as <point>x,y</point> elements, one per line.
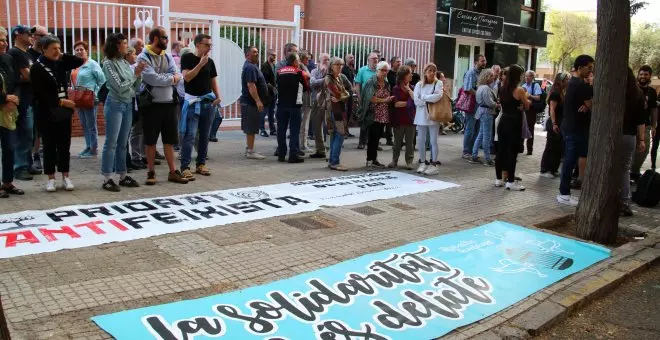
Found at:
<point>403,115</point>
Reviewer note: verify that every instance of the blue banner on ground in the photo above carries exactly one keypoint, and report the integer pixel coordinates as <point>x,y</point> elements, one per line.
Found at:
<point>421,290</point>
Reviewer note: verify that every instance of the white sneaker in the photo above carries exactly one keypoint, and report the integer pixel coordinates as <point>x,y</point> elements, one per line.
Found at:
<point>567,200</point>
<point>422,168</point>
<point>431,170</point>
<point>499,183</point>
<point>409,166</point>
<point>50,186</point>
<point>67,184</point>
<point>547,175</point>
<point>253,155</point>
<point>515,186</point>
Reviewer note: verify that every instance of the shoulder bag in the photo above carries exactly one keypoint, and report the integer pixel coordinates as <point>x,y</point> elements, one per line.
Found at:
<point>466,102</point>
<point>8,117</point>
<point>440,111</point>
<point>82,96</point>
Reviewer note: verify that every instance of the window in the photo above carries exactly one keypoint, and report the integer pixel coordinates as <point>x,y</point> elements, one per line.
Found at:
<point>528,13</point>
<point>444,5</point>
<point>523,57</point>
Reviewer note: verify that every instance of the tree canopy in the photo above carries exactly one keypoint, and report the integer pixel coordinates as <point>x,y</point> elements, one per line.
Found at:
<point>572,34</point>
<point>645,46</point>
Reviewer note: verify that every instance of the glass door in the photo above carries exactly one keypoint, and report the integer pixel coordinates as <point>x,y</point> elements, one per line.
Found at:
<point>466,53</point>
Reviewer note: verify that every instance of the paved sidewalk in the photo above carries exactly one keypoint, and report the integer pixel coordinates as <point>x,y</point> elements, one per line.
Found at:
<point>53,295</point>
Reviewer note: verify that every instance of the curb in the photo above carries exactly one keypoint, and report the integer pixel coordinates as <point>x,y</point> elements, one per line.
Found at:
<point>538,312</point>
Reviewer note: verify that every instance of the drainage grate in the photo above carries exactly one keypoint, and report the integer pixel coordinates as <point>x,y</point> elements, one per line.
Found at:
<point>310,223</point>
<point>402,206</point>
<point>368,210</point>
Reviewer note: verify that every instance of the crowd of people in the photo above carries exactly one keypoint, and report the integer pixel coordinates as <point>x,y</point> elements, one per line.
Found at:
<point>150,94</point>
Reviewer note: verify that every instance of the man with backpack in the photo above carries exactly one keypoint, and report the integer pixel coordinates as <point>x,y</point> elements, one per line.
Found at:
<point>536,95</point>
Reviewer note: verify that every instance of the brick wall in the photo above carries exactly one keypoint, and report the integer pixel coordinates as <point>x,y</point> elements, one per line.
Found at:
<point>76,128</point>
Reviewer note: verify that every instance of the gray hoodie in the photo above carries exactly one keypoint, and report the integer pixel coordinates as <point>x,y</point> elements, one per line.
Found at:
<point>158,74</point>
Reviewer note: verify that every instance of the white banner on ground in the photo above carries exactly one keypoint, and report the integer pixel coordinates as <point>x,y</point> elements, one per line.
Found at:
<point>34,232</point>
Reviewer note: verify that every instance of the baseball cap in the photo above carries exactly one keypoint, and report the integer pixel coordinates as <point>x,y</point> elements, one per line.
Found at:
<point>19,29</point>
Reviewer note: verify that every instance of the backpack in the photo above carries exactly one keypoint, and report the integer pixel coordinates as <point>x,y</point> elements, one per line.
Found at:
<point>648,189</point>
<point>539,106</point>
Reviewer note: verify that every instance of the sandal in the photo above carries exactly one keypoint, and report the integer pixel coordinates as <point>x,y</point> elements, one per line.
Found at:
<point>13,190</point>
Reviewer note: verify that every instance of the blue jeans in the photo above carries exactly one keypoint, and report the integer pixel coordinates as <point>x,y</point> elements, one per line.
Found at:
<point>468,134</point>
<point>288,117</point>
<point>484,137</point>
<point>571,155</point>
<point>87,119</point>
<point>24,137</point>
<point>118,118</point>
<point>336,142</point>
<point>7,139</point>
<point>194,123</point>
<point>270,111</point>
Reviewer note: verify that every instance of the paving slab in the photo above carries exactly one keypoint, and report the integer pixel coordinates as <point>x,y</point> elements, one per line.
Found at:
<point>53,295</point>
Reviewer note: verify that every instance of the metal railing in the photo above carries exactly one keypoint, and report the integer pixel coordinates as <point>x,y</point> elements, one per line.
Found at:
<point>73,20</point>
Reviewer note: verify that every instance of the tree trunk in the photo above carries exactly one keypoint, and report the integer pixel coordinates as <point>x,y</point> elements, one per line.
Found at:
<point>597,214</point>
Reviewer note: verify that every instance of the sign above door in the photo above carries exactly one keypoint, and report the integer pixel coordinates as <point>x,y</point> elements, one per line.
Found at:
<point>475,25</point>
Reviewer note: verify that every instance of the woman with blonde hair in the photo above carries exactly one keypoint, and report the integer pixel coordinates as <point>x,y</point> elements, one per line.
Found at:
<point>428,90</point>
<point>485,115</point>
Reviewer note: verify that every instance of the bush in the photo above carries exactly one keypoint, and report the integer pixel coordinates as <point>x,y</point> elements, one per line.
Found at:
<point>360,51</point>
<point>243,37</point>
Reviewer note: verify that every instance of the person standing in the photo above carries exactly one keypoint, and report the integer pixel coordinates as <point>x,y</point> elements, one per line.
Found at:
<point>403,118</point>
<point>49,80</point>
<point>644,76</point>
<point>470,87</point>
<point>364,74</point>
<point>374,110</point>
<point>268,70</point>
<point>634,137</point>
<point>319,105</point>
<point>159,118</point>
<point>512,98</point>
<point>176,53</point>
<point>575,125</point>
<point>306,105</point>
<point>254,95</point>
<point>486,110</point>
<point>288,49</point>
<point>136,139</point>
<point>428,90</point>
<point>291,84</point>
<point>395,64</point>
<point>36,32</point>
<point>554,144</point>
<point>349,72</point>
<point>338,91</point>
<point>23,61</point>
<point>89,77</point>
<point>9,102</point>
<point>534,92</point>
<point>197,113</point>
<point>412,63</point>
<point>122,82</point>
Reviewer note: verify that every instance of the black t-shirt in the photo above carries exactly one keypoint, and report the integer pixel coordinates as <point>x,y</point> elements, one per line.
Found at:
<point>651,102</point>
<point>391,78</point>
<point>635,115</point>
<point>415,78</point>
<point>201,84</point>
<point>349,73</point>
<point>574,122</point>
<point>559,109</point>
<point>22,59</point>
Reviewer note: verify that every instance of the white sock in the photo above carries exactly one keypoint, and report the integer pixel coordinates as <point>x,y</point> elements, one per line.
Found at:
<point>250,150</point>
<point>122,176</point>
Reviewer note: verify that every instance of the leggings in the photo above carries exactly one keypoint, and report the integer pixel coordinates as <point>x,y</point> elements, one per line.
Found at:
<point>509,132</point>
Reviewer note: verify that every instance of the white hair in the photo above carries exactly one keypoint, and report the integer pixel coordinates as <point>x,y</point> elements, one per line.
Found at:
<point>383,65</point>
<point>530,73</point>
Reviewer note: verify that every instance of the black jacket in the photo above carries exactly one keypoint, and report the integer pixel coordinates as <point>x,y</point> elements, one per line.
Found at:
<point>267,71</point>
<point>291,83</point>
<point>7,81</point>
<point>46,89</point>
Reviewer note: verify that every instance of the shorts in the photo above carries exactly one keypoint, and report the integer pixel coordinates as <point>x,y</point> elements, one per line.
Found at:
<point>249,119</point>
<point>582,145</point>
<point>160,119</point>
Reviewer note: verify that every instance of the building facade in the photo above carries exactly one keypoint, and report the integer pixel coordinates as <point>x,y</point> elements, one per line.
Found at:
<point>505,31</point>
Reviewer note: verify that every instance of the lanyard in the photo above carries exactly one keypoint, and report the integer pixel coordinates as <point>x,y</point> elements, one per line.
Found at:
<point>61,93</point>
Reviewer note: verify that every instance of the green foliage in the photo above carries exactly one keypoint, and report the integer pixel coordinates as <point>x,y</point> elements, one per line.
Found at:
<point>645,46</point>
<point>359,50</point>
<point>243,37</point>
<point>572,35</point>
<point>636,5</point>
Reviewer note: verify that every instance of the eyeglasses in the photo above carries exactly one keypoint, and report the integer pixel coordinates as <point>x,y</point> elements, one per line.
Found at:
<point>164,37</point>
<point>207,44</point>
